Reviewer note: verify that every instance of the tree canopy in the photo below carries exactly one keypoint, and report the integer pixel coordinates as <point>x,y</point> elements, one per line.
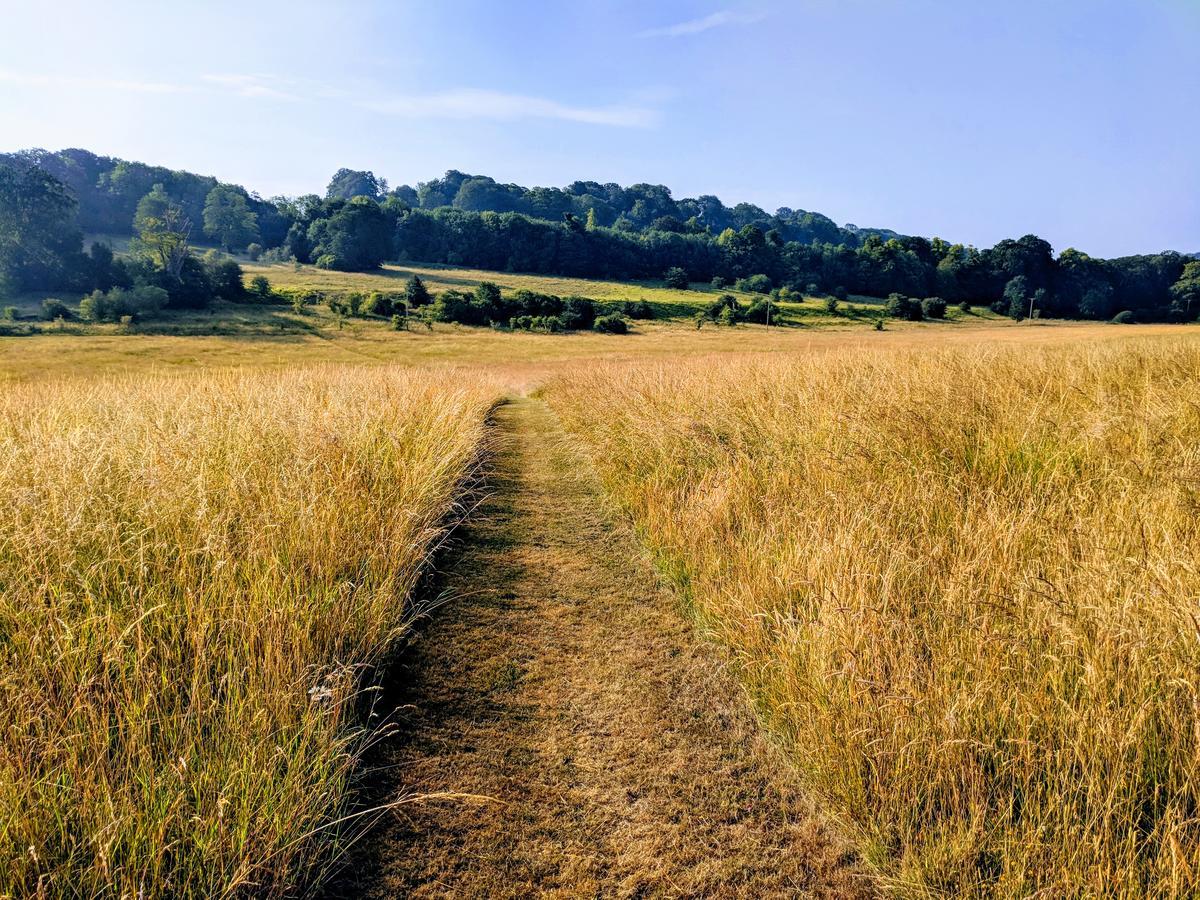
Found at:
<point>347,184</point>
<point>585,229</point>
<point>38,234</point>
<point>163,230</point>
<point>229,219</point>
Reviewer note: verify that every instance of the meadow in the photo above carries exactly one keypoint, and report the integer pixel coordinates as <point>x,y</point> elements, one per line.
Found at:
<point>200,579</point>
<point>959,584</point>
<point>667,302</point>
<point>953,563</point>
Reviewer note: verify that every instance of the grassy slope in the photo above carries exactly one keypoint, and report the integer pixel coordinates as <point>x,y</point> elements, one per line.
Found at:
<point>668,302</point>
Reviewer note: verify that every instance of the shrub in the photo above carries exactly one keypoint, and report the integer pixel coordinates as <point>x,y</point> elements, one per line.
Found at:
<point>637,309</point>
<point>755,284</point>
<point>354,303</point>
<point>965,306</point>
<point>720,282</point>
<point>399,323</point>
<point>278,255</point>
<point>831,305</point>
<point>381,304</point>
<point>813,289</point>
<point>933,308</point>
<point>761,312</point>
<point>676,277</point>
<point>536,323</point>
<point>460,307</point>
<point>260,288</point>
<point>254,251</point>
<point>1125,317</point>
<point>611,324</point>
<point>94,307</point>
<point>489,299</point>
<point>546,323</point>
<point>55,309</point>
<point>879,324</point>
<point>226,278</point>
<point>724,303</point>
<point>142,302</point>
<point>902,307</point>
<point>578,314</point>
<point>10,314</point>
<point>531,303</point>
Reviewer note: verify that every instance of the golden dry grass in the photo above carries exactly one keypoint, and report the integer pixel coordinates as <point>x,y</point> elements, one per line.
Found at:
<point>618,755</point>
<point>196,579</point>
<point>254,338</point>
<point>961,584</point>
<point>440,278</point>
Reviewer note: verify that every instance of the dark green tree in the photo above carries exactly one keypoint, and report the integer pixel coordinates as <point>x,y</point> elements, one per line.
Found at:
<point>415,292</point>
<point>228,218</point>
<point>347,184</point>
<point>39,241</point>
<point>1186,291</point>
<point>1016,298</point>
<point>675,277</point>
<point>355,238</point>
<point>901,307</point>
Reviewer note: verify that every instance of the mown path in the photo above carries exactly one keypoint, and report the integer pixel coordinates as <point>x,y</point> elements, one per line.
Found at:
<point>562,683</point>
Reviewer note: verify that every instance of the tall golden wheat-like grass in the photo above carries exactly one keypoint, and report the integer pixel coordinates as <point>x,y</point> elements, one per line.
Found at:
<point>195,577</point>
<point>963,586</point>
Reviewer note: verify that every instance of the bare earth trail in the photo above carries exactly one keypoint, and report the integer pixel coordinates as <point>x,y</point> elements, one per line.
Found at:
<point>563,683</point>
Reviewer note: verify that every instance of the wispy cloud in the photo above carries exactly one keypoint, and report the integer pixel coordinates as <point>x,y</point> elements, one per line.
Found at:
<point>266,87</point>
<point>707,23</point>
<point>640,111</point>
<point>258,86</point>
<point>140,87</point>
<point>470,103</point>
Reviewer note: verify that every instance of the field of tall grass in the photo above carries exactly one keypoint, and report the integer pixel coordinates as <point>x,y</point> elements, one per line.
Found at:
<point>197,577</point>
<point>961,585</point>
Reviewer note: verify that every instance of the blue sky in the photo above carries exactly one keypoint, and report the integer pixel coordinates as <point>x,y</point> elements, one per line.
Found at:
<point>1078,120</point>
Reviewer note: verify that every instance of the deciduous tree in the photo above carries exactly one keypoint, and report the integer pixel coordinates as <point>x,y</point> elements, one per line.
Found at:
<point>228,218</point>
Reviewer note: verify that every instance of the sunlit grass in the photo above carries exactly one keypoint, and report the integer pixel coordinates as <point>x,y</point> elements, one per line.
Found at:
<point>197,577</point>
<point>668,302</point>
<point>962,584</point>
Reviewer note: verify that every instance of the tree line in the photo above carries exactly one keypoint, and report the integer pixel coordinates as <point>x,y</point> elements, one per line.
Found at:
<point>41,247</point>
<point>586,229</point>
